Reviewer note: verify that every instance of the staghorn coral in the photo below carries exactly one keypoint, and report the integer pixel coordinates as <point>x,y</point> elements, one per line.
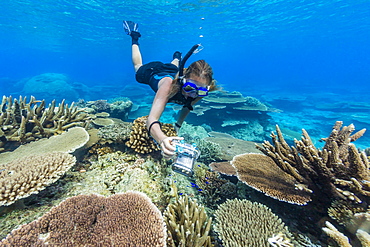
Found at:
<point>28,175</point>
<point>24,122</point>
<point>345,214</point>
<point>128,219</point>
<point>336,235</point>
<point>338,171</point>
<point>187,223</point>
<point>140,140</point>
<point>242,223</point>
<point>342,240</point>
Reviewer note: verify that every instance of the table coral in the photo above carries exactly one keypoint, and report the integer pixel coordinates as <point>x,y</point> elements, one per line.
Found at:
<point>338,171</point>
<point>68,142</point>
<point>128,219</point>
<point>28,175</point>
<point>260,172</point>
<point>24,122</point>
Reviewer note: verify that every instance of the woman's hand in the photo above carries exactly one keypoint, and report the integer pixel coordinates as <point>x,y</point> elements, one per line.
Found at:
<point>168,150</point>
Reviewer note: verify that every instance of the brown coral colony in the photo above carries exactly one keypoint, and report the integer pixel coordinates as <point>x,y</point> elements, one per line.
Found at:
<point>140,141</point>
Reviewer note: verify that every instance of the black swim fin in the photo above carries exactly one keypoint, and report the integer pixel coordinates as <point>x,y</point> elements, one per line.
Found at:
<point>130,26</point>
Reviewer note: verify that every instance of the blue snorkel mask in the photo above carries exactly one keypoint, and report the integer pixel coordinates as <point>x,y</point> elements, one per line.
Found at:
<point>190,87</point>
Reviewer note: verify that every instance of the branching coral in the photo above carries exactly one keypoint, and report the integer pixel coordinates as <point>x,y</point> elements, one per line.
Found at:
<point>24,122</point>
<point>187,223</point>
<point>342,240</point>
<point>338,170</point>
<point>245,223</point>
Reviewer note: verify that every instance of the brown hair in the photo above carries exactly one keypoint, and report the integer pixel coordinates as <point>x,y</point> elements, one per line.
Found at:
<point>198,68</point>
<point>202,69</point>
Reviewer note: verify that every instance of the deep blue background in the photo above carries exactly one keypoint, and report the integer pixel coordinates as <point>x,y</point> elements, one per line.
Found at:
<point>253,46</point>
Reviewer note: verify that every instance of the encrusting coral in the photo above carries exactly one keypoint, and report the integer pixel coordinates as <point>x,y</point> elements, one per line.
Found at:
<point>128,219</point>
<point>187,223</point>
<point>24,122</point>
<point>140,140</point>
<point>338,170</point>
<point>116,133</point>
<point>28,175</point>
<point>242,223</point>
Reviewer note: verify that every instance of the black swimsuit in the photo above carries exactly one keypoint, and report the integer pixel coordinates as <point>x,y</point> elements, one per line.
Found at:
<point>151,73</point>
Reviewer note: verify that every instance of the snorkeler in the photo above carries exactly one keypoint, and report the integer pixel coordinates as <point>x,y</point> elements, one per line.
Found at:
<point>170,85</point>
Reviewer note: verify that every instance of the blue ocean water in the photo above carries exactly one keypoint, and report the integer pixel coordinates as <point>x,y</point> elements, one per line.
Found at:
<point>298,55</point>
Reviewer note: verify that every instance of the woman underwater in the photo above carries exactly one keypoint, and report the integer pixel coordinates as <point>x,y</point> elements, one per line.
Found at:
<point>171,86</point>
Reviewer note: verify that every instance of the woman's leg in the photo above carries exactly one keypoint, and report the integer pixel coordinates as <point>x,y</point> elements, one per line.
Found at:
<point>136,57</point>
<point>176,58</point>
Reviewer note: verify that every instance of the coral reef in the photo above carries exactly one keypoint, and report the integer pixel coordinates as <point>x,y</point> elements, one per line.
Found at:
<point>191,133</point>
<point>121,172</point>
<point>231,146</point>
<point>68,142</point>
<point>119,108</point>
<point>28,175</point>
<point>119,132</point>
<point>33,166</point>
<point>140,140</point>
<point>260,172</point>
<point>85,220</point>
<point>245,223</point>
<point>187,223</point>
<point>233,113</point>
<point>342,240</point>
<point>354,219</point>
<point>211,186</point>
<point>24,122</point>
<point>102,122</point>
<point>347,215</point>
<point>338,171</point>
<point>209,151</point>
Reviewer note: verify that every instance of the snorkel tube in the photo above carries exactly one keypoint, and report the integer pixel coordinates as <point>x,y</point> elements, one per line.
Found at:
<point>193,50</point>
<point>183,61</point>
